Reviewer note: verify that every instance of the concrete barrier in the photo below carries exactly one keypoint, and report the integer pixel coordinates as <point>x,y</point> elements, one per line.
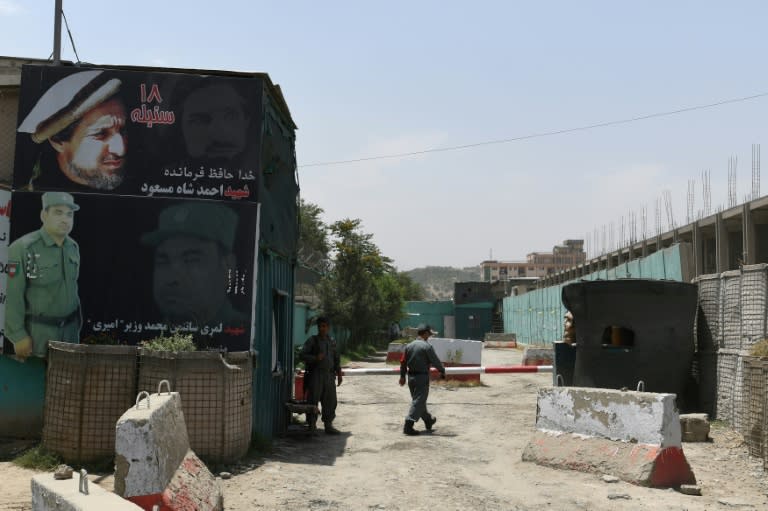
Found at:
<point>498,340</point>
<point>533,356</point>
<point>500,344</point>
<point>635,436</point>
<point>395,351</point>
<point>458,353</point>
<point>451,352</point>
<point>49,494</point>
<point>153,462</point>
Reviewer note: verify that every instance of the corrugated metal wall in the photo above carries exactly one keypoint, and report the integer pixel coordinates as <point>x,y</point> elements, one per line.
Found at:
<point>275,298</point>
<point>537,317</point>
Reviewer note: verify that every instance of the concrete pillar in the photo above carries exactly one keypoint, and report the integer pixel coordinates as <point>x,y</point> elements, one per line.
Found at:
<point>721,244</point>
<point>698,250</point>
<point>750,235</point>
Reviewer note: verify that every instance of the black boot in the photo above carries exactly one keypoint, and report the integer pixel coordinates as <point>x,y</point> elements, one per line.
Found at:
<point>408,428</point>
<point>430,422</point>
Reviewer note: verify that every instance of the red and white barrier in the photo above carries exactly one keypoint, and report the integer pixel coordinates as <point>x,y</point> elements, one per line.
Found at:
<point>388,371</point>
<point>635,436</point>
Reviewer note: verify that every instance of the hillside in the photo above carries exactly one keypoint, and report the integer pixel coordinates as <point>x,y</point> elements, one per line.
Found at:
<point>438,281</point>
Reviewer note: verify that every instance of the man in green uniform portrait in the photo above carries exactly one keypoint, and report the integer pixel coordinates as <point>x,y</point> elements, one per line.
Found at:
<point>194,267</point>
<point>42,297</point>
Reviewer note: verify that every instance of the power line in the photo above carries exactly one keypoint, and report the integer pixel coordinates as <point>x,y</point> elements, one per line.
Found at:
<point>71,39</point>
<point>539,135</point>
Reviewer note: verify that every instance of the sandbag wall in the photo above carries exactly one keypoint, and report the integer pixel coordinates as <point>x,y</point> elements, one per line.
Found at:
<point>731,318</point>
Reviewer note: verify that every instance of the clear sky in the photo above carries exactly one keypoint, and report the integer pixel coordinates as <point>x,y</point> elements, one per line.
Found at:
<point>379,78</point>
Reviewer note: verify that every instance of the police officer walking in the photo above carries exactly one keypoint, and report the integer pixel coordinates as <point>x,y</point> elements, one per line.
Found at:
<point>323,362</point>
<point>42,296</point>
<point>418,356</point>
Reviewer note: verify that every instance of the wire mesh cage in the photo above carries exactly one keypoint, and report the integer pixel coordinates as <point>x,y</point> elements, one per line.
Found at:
<point>731,293</point>
<point>88,388</point>
<point>708,328</point>
<point>755,382</point>
<point>754,295</point>
<point>731,399</point>
<point>216,397</point>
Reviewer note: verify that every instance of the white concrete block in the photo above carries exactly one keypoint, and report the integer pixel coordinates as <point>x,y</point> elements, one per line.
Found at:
<point>49,494</point>
<point>458,351</point>
<point>628,416</point>
<point>150,444</point>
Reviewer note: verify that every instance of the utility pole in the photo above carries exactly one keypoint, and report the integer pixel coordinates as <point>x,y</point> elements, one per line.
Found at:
<point>57,34</point>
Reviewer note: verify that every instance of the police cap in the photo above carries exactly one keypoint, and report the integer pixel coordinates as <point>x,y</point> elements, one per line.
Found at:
<point>66,102</point>
<point>205,220</point>
<point>59,199</point>
<point>424,328</point>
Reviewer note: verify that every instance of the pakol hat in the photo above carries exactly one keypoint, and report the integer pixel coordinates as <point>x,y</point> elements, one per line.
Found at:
<point>204,220</point>
<point>66,102</point>
<point>59,199</point>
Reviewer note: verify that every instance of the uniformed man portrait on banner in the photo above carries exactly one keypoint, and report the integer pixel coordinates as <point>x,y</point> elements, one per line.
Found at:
<point>215,129</point>
<point>193,269</point>
<point>81,123</point>
<point>42,301</point>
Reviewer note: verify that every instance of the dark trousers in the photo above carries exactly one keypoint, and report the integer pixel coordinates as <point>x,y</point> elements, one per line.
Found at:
<point>322,389</point>
<point>418,384</point>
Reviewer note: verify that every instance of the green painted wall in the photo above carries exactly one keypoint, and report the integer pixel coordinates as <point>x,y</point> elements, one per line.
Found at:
<point>431,313</point>
<point>537,317</point>
<point>473,320</point>
<point>272,389</point>
<point>22,394</point>
<point>301,313</point>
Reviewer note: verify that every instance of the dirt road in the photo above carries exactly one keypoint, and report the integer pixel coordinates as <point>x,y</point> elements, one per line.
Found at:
<point>471,460</point>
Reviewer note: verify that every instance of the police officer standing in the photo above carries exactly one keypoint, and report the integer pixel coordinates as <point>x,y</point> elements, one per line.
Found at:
<point>42,296</point>
<point>418,356</point>
<point>323,362</point>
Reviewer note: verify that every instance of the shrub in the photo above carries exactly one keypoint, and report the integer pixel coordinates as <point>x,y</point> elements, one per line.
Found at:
<point>175,343</point>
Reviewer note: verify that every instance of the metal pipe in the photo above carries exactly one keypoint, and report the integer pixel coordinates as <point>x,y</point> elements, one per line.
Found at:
<point>57,34</point>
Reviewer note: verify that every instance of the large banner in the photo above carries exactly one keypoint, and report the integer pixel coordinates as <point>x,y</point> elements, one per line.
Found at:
<point>111,269</point>
<point>5,233</point>
<point>136,132</point>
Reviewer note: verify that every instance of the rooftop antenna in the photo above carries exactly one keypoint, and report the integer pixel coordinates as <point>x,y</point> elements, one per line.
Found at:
<point>755,171</point>
<point>733,162</point>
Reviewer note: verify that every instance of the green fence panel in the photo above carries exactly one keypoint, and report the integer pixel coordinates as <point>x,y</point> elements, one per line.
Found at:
<point>537,317</point>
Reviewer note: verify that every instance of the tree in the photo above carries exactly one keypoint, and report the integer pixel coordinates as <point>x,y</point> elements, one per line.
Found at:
<point>313,233</point>
<point>362,292</point>
<point>412,290</point>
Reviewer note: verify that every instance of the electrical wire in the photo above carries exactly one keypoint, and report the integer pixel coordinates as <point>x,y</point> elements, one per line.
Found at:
<point>539,135</point>
<point>71,39</point>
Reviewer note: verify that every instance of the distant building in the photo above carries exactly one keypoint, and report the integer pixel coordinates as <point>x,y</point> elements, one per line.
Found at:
<point>537,264</point>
